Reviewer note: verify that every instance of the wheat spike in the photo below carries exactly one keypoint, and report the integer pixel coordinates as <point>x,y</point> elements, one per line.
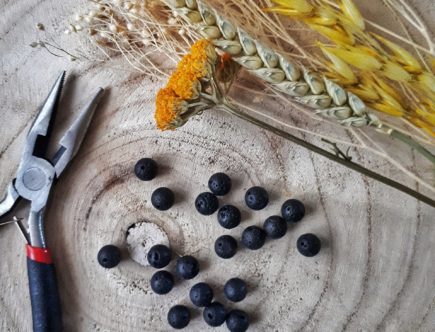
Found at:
<point>344,26</point>
<point>303,85</point>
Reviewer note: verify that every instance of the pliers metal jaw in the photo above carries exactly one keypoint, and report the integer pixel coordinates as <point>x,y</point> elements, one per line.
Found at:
<point>34,179</point>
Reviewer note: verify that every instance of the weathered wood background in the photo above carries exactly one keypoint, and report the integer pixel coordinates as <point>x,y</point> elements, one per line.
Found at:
<point>375,272</point>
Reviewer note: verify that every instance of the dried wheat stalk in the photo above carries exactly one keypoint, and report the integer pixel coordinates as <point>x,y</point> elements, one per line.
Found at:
<point>302,84</point>
<point>383,74</point>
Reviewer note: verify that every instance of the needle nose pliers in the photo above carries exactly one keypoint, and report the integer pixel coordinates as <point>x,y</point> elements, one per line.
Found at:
<point>34,179</point>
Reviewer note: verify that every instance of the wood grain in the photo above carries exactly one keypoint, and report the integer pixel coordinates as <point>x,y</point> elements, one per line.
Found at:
<point>376,270</point>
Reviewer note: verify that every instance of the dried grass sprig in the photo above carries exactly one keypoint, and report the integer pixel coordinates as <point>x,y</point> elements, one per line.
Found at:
<point>304,86</point>
<point>142,31</point>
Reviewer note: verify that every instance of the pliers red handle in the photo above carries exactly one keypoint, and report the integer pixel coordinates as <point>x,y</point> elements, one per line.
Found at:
<point>35,177</point>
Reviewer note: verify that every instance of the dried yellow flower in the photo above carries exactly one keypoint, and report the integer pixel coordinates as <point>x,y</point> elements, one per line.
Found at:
<point>184,86</point>
<point>169,109</point>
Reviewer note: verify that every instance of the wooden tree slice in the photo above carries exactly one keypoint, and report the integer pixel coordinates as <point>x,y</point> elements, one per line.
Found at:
<point>375,270</point>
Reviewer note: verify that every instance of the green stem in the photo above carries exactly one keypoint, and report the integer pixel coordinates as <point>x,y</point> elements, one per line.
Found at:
<point>226,106</point>
<point>413,144</point>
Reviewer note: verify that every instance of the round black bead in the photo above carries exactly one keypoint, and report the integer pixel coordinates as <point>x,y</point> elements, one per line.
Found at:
<point>219,184</point>
<point>292,210</point>
<point>225,246</point>
<point>162,198</point>
<point>159,256</point>
<point>145,169</point>
<point>308,245</point>
<point>206,203</point>
<point>235,289</point>
<point>201,294</point>
<point>215,314</point>
<point>237,321</point>
<point>275,227</point>
<point>256,198</point>
<point>109,256</point>
<point>253,237</point>
<point>229,216</point>
<point>179,316</point>
<point>187,267</point>
<point>162,282</point>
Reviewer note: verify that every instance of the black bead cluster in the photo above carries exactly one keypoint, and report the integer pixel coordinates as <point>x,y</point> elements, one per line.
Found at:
<point>162,198</point>
<point>187,267</point>
<point>201,294</point>
<point>253,237</point>
<point>162,282</point>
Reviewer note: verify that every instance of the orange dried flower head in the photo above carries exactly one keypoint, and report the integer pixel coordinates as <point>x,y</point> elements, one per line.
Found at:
<point>169,109</point>
<point>193,67</point>
<point>184,85</point>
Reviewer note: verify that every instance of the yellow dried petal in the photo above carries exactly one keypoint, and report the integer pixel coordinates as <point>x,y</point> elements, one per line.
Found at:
<point>321,21</point>
<point>402,55</point>
<point>378,83</point>
<point>427,81</point>
<point>350,30</point>
<point>428,105</point>
<point>323,16</point>
<point>367,50</point>
<point>428,117</point>
<point>358,59</point>
<point>352,12</point>
<point>336,34</point>
<point>364,93</point>
<point>340,66</point>
<point>302,6</point>
<point>389,100</point>
<point>388,109</point>
<point>286,12</point>
<point>395,72</point>
<point>426,127</point>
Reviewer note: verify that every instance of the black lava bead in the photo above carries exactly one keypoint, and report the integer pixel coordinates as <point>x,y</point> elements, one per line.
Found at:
<point>275,227</point>
<point>162,198</point>
<point>179,316</point>
<point>187,267</point>
<point>162,282</point>
<point>225,246</point>
<point>308,245</point>
<point>206,203</point>
<point>229,216</point>
<point>256,198</point>
<point>219,184</point>
<point>292,210</point>
<point>109,256</point>
<point>237,321</point>
<point>235,289</point>
<point>159,256</point>
<point>253,237</point>
<point>215,314</point>
<point>201,294</point>
<point>146,169</point>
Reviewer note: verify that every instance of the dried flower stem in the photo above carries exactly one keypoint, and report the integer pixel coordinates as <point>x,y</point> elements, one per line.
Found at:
<point>218,98</point>
<point>227,107</point>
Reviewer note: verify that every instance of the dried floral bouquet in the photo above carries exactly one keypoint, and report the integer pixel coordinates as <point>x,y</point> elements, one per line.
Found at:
<point>355,78</point>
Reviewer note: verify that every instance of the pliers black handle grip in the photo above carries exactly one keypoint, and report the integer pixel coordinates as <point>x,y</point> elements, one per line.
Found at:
<point>44,294</point>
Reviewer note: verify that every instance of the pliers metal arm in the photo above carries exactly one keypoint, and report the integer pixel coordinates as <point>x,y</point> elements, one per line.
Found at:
<point>35,177</point>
